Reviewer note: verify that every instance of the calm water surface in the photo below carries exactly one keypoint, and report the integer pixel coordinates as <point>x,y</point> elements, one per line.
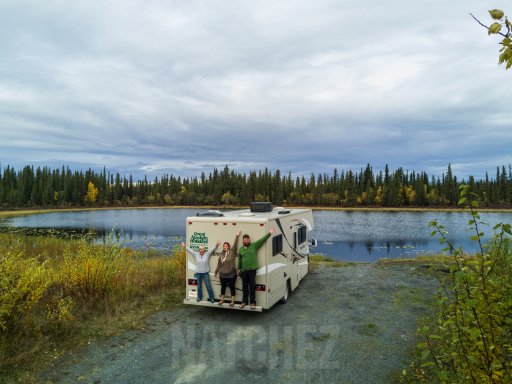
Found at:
<point>351,236</point>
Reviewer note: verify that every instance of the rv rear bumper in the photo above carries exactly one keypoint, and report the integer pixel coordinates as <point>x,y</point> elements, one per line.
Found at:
<point>223,306</point>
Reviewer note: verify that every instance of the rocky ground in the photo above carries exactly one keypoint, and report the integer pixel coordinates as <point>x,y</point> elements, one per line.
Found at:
<point>353,324</point>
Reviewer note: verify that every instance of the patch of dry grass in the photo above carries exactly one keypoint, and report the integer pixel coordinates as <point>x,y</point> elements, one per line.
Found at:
<point>57,294</point>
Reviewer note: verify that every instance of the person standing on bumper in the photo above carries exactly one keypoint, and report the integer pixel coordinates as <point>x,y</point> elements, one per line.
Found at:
<point>247,266</point>
<point>227,270</point>
<point>203,270</point>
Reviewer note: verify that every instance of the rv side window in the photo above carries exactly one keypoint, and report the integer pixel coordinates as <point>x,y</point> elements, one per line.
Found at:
<point>302,235</point>
<point>277,244</point>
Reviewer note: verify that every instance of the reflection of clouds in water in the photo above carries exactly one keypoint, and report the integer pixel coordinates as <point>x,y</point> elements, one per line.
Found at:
<point>395,226</point>
<point>353,236</point>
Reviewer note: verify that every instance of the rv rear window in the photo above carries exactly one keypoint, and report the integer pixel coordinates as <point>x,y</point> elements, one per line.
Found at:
<point>277,244</point>
<point>302,234</point>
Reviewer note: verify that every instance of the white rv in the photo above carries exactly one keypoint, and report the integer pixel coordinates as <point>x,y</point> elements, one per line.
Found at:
<point>282,261</point>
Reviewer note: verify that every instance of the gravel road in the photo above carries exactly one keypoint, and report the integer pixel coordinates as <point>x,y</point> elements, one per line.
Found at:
<point>352,324</point>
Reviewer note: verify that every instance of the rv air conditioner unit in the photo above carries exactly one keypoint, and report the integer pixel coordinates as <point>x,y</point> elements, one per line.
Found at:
<point>261,206</point>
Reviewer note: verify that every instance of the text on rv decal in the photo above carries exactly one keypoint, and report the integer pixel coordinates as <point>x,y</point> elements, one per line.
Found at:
<point>197,239</point>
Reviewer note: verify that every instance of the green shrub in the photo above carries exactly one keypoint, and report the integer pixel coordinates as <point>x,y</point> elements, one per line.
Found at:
<point>470,339</point>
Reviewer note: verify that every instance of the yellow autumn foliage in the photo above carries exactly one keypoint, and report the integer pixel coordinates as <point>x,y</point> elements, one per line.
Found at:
<point>23,282</point>
<point>49,288</point>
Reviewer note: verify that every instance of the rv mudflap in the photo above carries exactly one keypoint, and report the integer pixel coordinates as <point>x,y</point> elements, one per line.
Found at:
<point>224,306</point>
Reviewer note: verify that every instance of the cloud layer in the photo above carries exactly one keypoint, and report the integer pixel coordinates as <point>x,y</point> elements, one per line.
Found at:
<point>179,87</point>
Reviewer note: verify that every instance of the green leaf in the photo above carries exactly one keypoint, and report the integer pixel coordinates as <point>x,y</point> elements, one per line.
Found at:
<point>443,375</point>
<point>494,28</point>
<point>472,359</point>
<point>496,14</point>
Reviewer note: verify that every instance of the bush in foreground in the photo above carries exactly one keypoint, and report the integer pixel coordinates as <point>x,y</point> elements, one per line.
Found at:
<point>470,339</point>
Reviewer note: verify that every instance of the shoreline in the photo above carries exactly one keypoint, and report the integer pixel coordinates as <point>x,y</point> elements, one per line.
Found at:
<point>35,211</point>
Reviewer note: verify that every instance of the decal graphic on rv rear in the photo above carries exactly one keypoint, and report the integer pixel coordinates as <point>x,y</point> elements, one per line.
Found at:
<point>197,239</point>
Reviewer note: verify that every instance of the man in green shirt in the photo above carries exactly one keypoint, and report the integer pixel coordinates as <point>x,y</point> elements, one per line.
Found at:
<point>247,266</point>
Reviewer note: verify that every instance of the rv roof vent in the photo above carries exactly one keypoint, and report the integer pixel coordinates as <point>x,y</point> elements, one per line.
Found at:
<point>211,212</point>
<point>246,214</point>
<point>261,206</point>
<point>283,211</point>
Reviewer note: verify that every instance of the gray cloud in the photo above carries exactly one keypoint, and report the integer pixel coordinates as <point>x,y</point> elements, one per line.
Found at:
<point>179,87</point>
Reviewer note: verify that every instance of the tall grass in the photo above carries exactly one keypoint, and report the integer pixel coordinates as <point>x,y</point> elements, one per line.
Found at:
<point>52,290</point>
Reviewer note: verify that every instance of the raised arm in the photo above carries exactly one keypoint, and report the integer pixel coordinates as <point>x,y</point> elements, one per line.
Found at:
<point>235,243</point>
<point>258,243</point>
<point>210,251</point>
<point>188,249</point>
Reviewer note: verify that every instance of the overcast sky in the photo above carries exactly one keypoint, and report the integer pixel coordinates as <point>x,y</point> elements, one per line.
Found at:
<point>179,87</point>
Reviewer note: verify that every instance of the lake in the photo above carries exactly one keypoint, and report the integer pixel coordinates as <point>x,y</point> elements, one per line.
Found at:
<point>342,235</point>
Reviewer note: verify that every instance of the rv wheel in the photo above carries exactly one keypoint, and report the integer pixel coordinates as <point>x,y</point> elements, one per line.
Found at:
<point>284,299</point>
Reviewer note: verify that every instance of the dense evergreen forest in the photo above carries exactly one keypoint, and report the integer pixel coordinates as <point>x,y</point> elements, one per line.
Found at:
<point>48,188</point>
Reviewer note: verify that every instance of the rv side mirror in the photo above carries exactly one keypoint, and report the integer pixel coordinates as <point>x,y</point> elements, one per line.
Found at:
<point>313,242</point>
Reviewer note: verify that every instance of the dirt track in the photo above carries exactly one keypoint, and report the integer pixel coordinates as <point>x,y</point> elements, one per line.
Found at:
<point>351,324</point>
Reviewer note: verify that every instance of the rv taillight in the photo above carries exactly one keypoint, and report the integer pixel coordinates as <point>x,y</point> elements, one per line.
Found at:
<point>260,288</point>
<point>192,282</point>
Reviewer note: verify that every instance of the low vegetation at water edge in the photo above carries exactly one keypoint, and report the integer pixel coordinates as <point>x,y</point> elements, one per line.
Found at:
<point>56,294</point>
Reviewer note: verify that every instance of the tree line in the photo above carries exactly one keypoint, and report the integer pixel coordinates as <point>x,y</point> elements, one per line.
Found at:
<point>62,187</point>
